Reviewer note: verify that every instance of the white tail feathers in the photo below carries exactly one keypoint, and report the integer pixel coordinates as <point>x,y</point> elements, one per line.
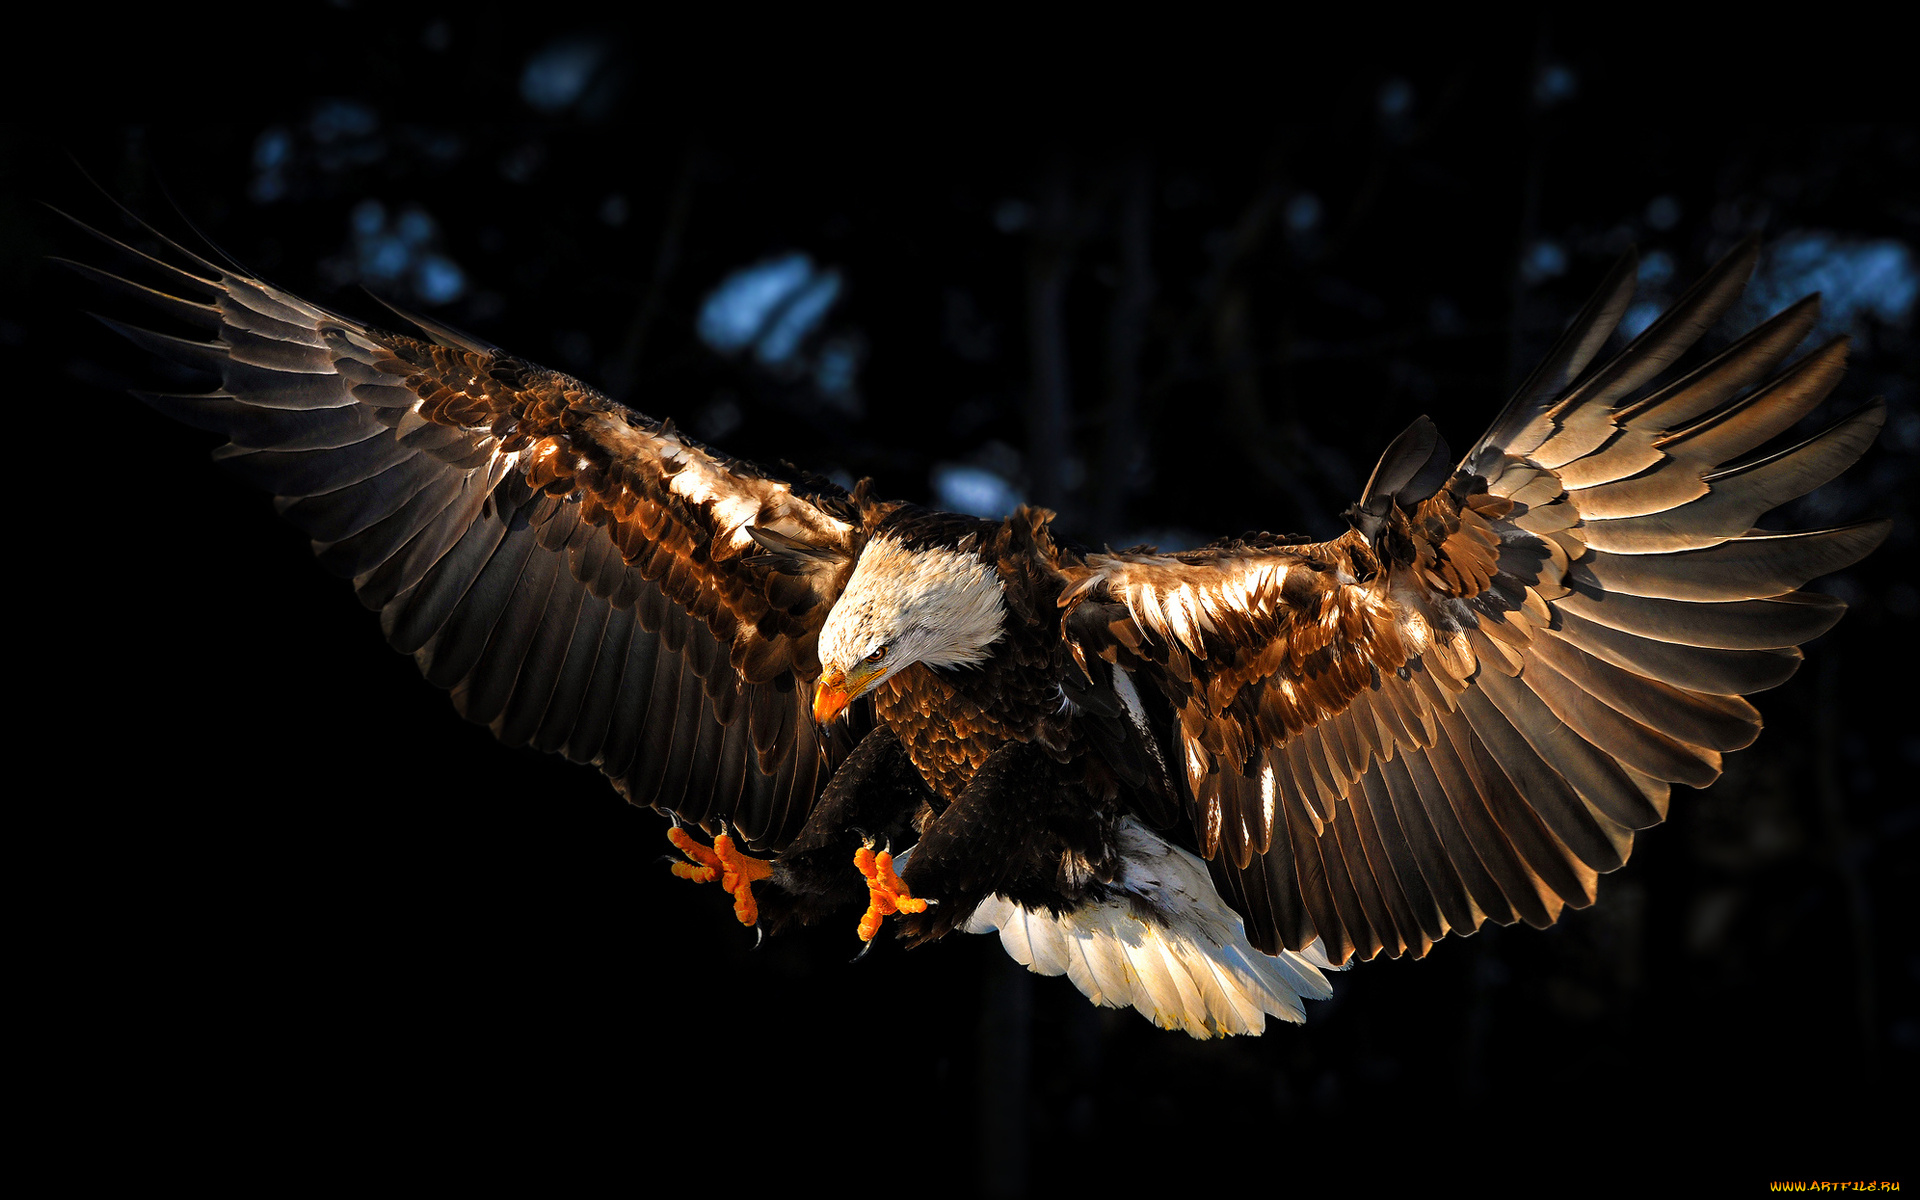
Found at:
<point>1187,966</point>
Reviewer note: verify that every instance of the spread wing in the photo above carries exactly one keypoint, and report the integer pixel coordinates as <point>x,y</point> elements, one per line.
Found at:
<point>1464,708</point>
<point>583,578</point>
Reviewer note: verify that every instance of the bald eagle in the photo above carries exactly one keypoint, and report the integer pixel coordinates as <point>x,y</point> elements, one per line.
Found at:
<point>1192,782</point>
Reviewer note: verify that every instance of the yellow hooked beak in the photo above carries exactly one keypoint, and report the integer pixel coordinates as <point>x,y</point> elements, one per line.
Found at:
<point>837,689</point>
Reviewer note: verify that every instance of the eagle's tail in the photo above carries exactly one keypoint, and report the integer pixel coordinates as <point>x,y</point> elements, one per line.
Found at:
<point>1169,947</point>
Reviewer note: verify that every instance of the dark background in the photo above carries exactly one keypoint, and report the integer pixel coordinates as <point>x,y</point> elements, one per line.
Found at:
<point>293,913</point>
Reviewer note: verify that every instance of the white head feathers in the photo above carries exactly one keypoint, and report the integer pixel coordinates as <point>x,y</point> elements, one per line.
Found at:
<point>941,607</point>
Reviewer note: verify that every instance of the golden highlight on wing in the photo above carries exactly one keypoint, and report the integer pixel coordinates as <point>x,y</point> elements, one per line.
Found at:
<point>1463,709</point>
<point>583,578</point>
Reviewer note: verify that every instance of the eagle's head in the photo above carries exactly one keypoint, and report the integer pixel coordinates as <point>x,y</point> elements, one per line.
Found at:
<point>940,606</point>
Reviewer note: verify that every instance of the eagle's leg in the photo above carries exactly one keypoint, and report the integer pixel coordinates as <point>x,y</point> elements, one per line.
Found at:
<point>737,872</point>
<point>887,893</point>
<point>1026,828</point>
<point>872,795</point>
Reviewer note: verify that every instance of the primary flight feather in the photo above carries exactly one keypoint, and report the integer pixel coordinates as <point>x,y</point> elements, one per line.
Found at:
<point>1190,782</point>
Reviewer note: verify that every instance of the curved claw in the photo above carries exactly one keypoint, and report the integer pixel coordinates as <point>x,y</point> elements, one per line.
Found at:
<point>737,872</point>
<point>887,893</point>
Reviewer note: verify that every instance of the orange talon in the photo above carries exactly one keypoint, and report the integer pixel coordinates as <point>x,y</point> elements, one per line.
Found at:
<point>887,892</point>
<point>737,871</point>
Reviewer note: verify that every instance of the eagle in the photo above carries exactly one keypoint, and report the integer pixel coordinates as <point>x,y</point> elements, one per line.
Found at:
<point>1192,782</point>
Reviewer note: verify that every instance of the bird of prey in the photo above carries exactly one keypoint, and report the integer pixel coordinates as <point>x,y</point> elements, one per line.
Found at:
<point>1192,782</point>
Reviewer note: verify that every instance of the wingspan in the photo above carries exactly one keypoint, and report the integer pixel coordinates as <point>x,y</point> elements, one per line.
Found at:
<point>1464,708</point>
<point>583,578</point>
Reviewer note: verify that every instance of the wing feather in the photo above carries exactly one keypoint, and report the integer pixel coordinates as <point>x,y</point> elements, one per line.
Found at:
<point>587,738</point>
<point>545,663</point>
<point>1466,791</point>
<point>1467,862</point>
<point>1382,921</point>
<point>1310,872</point>
<point>565,704</point>
<point>1378,813</point>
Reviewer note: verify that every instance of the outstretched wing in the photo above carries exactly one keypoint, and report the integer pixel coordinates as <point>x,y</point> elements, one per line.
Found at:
<point>1462,709</point>
<point>583,578</point>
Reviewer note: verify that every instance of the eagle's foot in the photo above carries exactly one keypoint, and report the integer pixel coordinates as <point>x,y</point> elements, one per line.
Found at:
<point>736,871</point>
<point>887,893</point>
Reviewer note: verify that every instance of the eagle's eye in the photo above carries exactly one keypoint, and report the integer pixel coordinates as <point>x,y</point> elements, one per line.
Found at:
<point>877,655</point>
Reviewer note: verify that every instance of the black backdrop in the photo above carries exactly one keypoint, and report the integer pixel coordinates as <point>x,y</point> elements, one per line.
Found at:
<point>290,915</point>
